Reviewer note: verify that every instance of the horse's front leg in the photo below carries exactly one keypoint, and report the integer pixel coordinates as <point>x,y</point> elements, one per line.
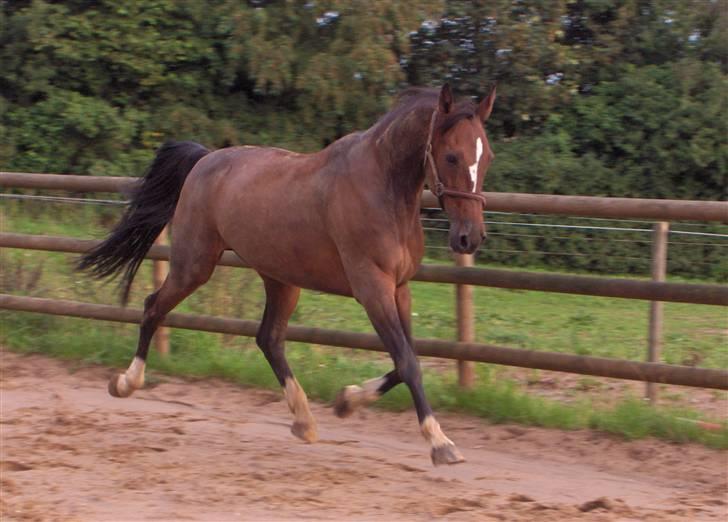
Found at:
<point>376,291</point>
<point>352,397</point>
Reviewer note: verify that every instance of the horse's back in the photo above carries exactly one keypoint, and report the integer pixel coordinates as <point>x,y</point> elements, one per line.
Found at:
<point>291,216</point>
<point>268,205</point>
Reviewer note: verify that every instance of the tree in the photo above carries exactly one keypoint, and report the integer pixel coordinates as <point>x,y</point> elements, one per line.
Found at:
<point>336,63</point>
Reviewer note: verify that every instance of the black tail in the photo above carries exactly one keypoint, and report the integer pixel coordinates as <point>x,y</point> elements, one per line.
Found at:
<point>152,205</point>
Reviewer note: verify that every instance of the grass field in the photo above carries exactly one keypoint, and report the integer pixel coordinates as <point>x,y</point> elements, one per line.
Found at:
<point>574,324</point>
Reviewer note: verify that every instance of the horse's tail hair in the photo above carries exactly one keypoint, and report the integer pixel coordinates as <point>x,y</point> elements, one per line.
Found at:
<point>151,207</point>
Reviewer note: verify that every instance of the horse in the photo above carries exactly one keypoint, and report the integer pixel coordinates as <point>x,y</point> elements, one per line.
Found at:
<point>344,220</point>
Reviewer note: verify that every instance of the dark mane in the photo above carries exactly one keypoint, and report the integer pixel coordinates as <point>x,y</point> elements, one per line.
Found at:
<point>415,98</point>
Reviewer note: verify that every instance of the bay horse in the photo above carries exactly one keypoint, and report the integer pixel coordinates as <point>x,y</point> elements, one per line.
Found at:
<point>344,220</point>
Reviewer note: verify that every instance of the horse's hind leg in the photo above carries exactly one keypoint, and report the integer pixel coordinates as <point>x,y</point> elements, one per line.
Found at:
<point>281,300</point>
<point>192,264</point>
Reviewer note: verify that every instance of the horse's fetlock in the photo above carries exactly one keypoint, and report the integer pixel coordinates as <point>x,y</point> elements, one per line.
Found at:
<point>136,382</point>
<point>345,403</point>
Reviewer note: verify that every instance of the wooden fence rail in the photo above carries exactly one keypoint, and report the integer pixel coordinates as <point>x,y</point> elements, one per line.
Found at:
<point>463,275</point>
<point>582,364</point>
<point>585,206</point>
<point>560,283</point>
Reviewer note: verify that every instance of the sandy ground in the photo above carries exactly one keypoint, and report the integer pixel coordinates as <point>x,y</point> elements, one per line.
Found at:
<point>207,450</point>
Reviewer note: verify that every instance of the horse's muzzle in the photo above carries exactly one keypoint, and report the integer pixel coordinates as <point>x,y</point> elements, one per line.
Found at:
<point>465,238</point>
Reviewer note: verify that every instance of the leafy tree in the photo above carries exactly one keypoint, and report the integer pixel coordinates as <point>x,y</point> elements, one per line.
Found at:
<point>476,44</point>
<point>600,97</point>
<point>335,63</point>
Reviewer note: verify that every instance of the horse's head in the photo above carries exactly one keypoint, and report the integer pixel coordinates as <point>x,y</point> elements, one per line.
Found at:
<point>459,158</point>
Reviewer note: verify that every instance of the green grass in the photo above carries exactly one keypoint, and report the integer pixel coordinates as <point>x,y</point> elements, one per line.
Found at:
<point>324,371</point>
<point>555,322</point>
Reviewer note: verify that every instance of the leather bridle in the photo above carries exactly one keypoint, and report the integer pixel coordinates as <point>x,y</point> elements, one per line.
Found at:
<point>433,179</point>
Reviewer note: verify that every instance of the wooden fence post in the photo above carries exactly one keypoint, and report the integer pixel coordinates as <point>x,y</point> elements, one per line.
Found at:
<point>465,321</point>
<point>659,269</point>
<point>160,269</point>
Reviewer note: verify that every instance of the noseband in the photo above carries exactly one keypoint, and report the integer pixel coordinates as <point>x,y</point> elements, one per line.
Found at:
<point>433,179</point>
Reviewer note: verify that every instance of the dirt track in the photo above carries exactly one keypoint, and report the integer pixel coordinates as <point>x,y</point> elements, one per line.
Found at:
<point>211,451</point>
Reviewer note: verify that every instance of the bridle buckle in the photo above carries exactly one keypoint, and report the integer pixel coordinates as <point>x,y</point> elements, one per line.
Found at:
<point>439,189</point>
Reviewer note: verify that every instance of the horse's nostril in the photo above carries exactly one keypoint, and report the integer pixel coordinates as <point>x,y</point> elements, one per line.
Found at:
<point>464,241</point>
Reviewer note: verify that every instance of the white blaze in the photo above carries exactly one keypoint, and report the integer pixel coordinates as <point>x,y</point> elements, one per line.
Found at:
<point>474,167</point>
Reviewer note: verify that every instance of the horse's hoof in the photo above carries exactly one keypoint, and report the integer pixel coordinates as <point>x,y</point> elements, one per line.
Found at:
<point>305,431</point>
<point>447,454</point>
<point>118,386</point>
<point>342,407</point>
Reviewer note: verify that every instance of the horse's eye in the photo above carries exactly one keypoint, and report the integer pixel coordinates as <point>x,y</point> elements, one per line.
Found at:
<point>452,159</point>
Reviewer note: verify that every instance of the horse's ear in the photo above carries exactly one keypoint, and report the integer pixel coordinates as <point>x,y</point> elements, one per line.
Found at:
<point>446,99</point>
<point>486,106</point>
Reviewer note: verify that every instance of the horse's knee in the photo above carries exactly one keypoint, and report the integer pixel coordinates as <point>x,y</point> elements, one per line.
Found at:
<point>409,369</point>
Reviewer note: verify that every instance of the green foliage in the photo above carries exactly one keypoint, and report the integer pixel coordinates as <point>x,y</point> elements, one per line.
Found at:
<point>657,129</point>
<point>88,86</point>
<point>636,419</point>
<point>617,98</point>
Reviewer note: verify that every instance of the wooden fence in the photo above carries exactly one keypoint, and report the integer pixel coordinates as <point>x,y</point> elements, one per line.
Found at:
<point>463,275</point>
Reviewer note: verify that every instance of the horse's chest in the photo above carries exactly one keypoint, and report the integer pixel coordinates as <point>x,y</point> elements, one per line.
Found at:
<point>410,258</point>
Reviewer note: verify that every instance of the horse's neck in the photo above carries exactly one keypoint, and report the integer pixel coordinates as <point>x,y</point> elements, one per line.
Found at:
<point>403,146</point>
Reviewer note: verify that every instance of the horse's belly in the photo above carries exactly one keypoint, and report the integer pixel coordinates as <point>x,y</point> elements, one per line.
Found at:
<point>308,262</point>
